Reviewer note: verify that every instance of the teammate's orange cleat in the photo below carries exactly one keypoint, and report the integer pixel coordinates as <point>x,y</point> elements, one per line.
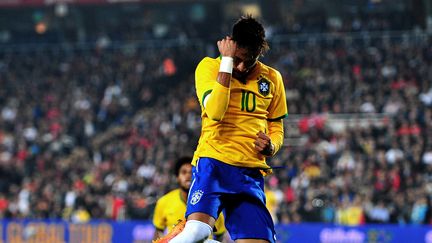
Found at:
<point>178,228</point>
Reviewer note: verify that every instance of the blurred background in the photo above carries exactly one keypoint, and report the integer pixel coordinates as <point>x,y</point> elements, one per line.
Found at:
<point>97,101</point>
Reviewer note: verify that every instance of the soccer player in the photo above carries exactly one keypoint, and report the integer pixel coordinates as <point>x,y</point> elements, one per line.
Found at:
<point>243,103</point>
<point>172,206</point>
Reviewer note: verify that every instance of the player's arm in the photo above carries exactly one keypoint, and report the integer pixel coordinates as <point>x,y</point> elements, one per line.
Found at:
<point>216,103</point>
<point>269,144</point>
<point>276,134</point>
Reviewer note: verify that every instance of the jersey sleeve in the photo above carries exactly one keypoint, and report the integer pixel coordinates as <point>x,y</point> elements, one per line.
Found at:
<point>213,96</point>
<point>278,107</point>
<point>276,133</point>
<point>159,221</point>
<point>205,78</point>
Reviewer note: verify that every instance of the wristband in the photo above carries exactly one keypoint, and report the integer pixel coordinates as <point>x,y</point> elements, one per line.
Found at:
<point>226,65</point>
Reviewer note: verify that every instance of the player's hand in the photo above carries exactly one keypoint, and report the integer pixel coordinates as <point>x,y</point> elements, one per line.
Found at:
<point>227,47</point>
<point>263,144</point>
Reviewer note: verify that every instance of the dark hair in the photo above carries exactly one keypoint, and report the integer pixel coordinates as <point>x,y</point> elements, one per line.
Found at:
<point>180,162</point>
<point>250,34</point>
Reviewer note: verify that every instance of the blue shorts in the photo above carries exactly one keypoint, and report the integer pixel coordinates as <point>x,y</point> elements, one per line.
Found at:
<point>238,192</point>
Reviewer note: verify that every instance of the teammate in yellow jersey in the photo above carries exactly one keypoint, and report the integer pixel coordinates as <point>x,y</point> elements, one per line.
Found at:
<point>172,206</point>
<point>243,103</point>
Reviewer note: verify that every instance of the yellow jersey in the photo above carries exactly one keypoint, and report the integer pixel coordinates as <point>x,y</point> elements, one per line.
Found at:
<point>351,216</point>
<point>170,208</point>
<point>252,105</point>
<point>271,203</point>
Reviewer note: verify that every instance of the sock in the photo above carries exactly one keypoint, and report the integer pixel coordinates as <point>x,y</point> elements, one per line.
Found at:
<point>194,231</point>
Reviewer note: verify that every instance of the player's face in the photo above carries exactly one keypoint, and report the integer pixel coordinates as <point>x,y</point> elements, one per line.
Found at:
<point>244,61</point>
<point>185,177</point>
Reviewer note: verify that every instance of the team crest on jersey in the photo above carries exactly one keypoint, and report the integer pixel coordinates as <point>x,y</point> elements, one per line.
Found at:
<point>196,197</point>
<point>264,86</point>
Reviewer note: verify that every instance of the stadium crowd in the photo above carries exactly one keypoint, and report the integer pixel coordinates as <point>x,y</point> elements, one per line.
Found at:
<point>71,134</point>
<point>376,173</point>
<point>94,133</point>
